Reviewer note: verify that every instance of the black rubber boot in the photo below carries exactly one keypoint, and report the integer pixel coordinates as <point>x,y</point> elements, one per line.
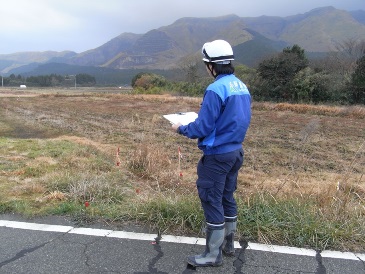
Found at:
<point>212,255</point>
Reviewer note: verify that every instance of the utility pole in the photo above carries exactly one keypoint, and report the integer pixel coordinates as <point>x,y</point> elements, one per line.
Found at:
<point>75,79</point>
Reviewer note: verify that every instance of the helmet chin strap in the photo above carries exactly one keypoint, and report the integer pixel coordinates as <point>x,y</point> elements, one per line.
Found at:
<point>212,72</point>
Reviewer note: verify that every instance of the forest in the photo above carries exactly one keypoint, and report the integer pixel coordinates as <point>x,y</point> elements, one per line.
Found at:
<point>286,76</point>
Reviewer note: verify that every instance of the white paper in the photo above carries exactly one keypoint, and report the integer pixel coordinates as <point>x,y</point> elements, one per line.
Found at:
<point>183,118</point>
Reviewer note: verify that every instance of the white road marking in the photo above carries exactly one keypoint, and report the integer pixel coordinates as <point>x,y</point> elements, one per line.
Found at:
<point>34,226</point>
<point>339,255</point>
<point>281,249</point>
<point>132,236</point>
<point>90,231</point>
<point>176,239</point>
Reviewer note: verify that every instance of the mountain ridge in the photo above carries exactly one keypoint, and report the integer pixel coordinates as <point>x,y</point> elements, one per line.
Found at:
<point>317,30</point>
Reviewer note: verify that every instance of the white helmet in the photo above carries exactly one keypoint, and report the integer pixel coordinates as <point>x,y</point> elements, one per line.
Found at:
<point>217,51</point>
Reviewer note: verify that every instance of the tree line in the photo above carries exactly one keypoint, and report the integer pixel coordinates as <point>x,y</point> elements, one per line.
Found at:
<point>51,80</point>
<point>288,76</point>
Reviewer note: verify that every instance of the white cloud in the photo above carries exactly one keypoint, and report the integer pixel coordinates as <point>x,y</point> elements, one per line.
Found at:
<point>26,16</point>
<point>85,24</point>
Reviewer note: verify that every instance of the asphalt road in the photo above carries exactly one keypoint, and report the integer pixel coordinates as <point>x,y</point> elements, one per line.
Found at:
<point>61,247</point>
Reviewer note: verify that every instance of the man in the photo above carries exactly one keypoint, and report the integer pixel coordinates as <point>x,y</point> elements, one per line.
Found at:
<point>220,128</point>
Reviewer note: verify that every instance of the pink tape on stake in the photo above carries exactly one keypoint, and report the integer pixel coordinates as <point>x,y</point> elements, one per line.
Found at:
<point>118,159</point>
<point>180,156</point>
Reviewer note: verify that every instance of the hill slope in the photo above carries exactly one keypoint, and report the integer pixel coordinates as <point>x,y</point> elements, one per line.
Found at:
<point>318,30</point>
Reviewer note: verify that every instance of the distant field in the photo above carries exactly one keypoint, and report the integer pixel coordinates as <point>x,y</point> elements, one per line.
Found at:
<point>302,182</point>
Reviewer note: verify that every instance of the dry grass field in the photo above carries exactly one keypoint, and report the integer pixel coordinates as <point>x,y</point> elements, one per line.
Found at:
<point>302,182</point>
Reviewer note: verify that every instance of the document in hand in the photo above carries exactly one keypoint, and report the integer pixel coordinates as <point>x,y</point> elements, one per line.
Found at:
<point>181,117</point>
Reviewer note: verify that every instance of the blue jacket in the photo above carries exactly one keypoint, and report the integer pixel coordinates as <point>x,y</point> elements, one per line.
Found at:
<point>224,116</point>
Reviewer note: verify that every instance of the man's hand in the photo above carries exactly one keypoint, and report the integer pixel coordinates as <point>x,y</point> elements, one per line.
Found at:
<point>174,127</point>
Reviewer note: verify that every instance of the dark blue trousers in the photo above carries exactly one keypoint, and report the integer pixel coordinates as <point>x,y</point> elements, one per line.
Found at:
<point>216,183</point>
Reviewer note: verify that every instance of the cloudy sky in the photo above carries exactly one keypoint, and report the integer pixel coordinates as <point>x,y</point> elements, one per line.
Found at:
<point>79,25</point>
